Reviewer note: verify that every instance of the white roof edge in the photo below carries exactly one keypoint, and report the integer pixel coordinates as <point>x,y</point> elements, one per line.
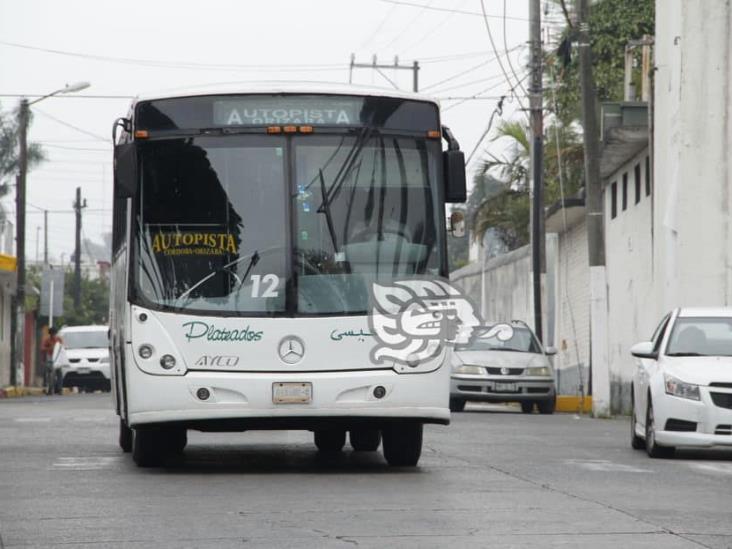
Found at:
<point>275,87</point>
<point>705,311</point>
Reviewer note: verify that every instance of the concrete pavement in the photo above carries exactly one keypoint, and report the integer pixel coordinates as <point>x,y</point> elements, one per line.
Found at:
<point>494,478</point>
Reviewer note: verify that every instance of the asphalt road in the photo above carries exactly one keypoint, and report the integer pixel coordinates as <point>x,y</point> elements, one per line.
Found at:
<point>494,478</point>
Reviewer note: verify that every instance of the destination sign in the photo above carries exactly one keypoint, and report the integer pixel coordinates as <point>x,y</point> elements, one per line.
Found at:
<point>314,111</point>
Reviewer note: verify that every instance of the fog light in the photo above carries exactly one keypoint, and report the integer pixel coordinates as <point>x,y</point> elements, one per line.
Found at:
<point>379,391</point>
<point>167,361</point>
<point>145,351</point>
<point>203,393</point>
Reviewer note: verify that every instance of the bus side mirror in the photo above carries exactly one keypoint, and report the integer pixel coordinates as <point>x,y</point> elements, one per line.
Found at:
<point>457,224</point>
<point>125,169</point>
<point>453,163</point>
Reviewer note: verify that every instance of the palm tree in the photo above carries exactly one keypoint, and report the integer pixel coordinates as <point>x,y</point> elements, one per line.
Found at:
<point>9,150</point>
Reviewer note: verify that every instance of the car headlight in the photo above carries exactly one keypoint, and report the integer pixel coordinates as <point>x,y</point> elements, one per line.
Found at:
<point>104,360</point>
<point>543,371</point>
<point>470,370</point>
<point>678,388</point>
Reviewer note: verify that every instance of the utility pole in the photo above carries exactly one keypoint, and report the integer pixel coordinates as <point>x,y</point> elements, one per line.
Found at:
<point>19,302</point>
<point>45,237</point>
<point>78,205</point>
<point>595,230</point>
<point>537,163</point>
<point>414,67</point>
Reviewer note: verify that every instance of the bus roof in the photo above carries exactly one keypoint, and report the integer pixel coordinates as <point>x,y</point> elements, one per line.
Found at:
<point>316,88</point>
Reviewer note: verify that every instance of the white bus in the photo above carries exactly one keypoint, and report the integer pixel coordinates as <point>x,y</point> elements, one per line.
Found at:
<point>249,229</point>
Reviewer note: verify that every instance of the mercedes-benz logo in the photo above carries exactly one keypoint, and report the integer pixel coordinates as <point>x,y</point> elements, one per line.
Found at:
<point>291,349</point>
<point>504,371</point>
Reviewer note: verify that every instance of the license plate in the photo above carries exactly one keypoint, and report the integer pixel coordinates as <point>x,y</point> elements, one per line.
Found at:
<point>292,393</point>
<point>505,388</point>
<point>83,370</point>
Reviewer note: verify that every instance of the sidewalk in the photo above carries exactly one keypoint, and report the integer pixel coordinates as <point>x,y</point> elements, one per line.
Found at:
<point>12,391</point>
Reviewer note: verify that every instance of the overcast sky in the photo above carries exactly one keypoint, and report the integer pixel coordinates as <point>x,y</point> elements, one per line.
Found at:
<point>125,48</point>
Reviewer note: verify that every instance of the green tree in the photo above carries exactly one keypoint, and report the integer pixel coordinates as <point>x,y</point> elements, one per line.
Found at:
<point>9,128</point>
<point>94,307</point>
<point>613,23</point>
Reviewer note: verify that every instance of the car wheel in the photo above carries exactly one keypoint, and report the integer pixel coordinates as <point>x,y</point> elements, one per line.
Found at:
<point>548,406</point>
<point>330,440</point>
<point>125,436</point>
<point>652,447</point>
<point>148,449</point>
<point>365,440</point>
<point>457,405</point>
<point>636,442</point>
<point>403,444</point>
<point>527,407</point>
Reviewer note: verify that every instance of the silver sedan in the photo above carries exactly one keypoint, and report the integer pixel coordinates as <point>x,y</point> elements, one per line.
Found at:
<point>504,363</point>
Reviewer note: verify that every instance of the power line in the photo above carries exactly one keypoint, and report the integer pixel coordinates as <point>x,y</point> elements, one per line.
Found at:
<point>432,30</point>
<point>466,84</point>
<point>71,126</point>
<point>85,149</point>
<point>505,45</point>
<point>447,10</point>
<point>178,64</point>
<point>471,69</point>
<point>495,50</point>
<point>409,23</point>
<point>378,28</point>
<point>477,95</point>
<point>67,96</point>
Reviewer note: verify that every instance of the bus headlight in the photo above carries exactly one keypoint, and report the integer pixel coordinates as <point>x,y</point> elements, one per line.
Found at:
<point>167,362</point>
<point>145,351</point>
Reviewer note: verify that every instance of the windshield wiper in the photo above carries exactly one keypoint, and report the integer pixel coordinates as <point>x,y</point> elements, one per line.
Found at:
<point>252,263</point>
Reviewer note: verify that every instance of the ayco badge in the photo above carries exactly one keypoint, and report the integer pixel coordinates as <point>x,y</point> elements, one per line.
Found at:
<point>218,361</point>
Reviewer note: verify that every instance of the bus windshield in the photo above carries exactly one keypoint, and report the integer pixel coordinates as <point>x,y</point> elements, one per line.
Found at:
<point>236,223</point>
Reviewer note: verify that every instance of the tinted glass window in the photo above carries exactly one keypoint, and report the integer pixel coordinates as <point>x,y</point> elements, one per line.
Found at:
<point>365,210</point>
<point>523,340</point>
<point>211,229</point>
<point>701,337</point>
<point>96,339</point>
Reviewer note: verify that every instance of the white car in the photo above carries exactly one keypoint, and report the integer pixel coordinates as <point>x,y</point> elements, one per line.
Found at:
<point>682,385</point>
<point>83,360</point>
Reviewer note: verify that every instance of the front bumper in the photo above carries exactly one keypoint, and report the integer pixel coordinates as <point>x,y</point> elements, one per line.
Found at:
<point>244,400</point>
<point>86,374</point>
<point>501,388</point>
<point>713,423</point>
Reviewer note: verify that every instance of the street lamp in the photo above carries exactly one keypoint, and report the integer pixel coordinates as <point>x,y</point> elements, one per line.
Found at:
<point>18,316</point>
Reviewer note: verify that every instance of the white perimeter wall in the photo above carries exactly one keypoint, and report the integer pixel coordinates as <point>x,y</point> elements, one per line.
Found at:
<point>572,311</point>
<point>632,310</point>
<point>693,136</point>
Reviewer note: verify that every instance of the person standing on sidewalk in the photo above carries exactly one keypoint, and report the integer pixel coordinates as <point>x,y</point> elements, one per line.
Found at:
<point>47,346</point>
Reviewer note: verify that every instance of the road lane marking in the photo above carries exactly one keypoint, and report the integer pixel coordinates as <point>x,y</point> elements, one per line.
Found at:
<point>603,465</point>
<point>720,468</point>
<point>86,463</point>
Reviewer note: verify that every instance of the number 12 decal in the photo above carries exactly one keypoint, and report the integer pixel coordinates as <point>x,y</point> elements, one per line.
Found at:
<point>269,282</point>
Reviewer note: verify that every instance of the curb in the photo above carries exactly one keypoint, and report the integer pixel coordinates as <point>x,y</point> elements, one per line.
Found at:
<point>573,404</point>
<point>13,391</point>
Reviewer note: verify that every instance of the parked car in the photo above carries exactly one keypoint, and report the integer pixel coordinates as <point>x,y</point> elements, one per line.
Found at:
<point>503,363</point>
<point>83,360</point>
<point>682,385</point>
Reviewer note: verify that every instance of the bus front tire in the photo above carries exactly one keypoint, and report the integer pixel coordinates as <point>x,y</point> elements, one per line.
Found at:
<point>125,436</point>
<point>147,447</point>
<point>365,440</point>
<point>402,444</point>
<point>330,440</point>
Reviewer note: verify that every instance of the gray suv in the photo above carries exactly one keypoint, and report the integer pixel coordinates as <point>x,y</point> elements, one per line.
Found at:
<point>503,363</point>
